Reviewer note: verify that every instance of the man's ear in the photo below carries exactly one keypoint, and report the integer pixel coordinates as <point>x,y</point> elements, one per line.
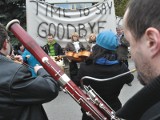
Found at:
<point>153,40</point>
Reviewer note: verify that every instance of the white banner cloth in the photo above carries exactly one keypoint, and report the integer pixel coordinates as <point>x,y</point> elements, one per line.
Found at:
<point>44,18</point>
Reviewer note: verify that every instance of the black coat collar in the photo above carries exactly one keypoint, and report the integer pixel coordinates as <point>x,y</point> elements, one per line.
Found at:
<point>141,102</point>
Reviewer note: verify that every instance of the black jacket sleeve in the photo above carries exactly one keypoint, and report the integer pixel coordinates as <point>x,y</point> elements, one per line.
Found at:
<point>59,49</point>
<point>25,89</point>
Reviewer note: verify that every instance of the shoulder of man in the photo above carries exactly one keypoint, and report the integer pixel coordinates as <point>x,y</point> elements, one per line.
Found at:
<point>45,46</point>
<point>152,113</point>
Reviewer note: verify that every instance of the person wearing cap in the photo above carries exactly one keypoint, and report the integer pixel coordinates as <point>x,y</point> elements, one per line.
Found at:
<point>102,64</point>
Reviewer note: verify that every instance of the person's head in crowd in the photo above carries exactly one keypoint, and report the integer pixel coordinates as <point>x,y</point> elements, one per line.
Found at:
<point>75,37</point>
<point>15,47</point>
<point>92,38</point>
<point>107,40</point>
<point>5,46</point>
<point>142,30</point>
<point>119,30</point>
<point>50,38</point>
<point>21,48</point>
<point>106,45</point>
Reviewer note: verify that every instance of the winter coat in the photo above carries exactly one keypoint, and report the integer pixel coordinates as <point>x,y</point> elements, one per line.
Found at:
<point>122,50</point>
<point>108,90</point>
<point>57,48</point>
<point>144,105</point>
<point>70,47</point>
<point>21,95</point>
<point>31,61</point>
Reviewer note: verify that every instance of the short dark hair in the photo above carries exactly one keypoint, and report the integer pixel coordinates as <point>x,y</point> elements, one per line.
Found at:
<point>3,35</point>
<point>50,34</point>
<point>19,45</point>
<point>142,15</point>
<point>100,52</point>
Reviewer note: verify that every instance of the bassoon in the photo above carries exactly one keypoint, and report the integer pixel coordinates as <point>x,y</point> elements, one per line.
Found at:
<point>93,105</point>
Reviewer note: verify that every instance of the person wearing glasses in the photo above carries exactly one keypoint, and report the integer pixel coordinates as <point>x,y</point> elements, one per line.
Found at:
<point>21,95</point>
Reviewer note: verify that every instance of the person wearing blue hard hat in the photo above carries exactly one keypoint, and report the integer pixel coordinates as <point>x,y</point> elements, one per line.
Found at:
<point>102,64</point>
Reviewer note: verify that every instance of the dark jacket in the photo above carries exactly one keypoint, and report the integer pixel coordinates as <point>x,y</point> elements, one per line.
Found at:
<point>70,47</point>
<point>57,47</point>
<point>122,50</point>
<point>21,95</point>
<point>73,67</point>
<point>108,90</point>
<point>144,105</point>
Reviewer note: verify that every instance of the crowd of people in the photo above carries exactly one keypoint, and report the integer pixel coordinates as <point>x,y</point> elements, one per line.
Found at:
<point>25,87</point>
<point>104,58</point>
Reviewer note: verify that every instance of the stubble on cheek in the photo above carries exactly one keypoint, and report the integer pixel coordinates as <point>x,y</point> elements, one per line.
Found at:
<point>145,74</point>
